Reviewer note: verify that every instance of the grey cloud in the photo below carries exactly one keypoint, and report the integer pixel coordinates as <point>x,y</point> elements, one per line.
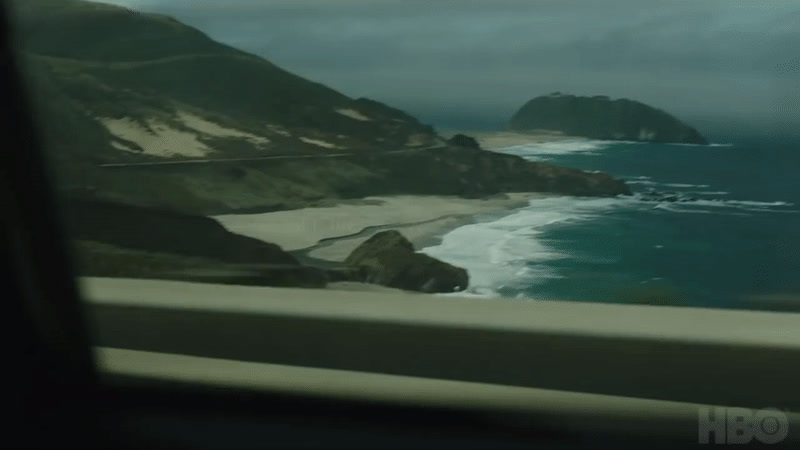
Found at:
<point>446,61</point>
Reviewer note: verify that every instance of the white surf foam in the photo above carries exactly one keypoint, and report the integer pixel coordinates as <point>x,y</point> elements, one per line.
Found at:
<point>721,206</point>
<point>509,252</point>
<point>700,145</point>
<point>541,150</point>
<point>681,185</point>
<point>647,181</point>
<point>708,192</point>
<point>741,203</point>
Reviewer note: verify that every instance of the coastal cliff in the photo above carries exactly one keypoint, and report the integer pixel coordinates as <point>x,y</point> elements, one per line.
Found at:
<point>150,125</point>
<point>120,116</point>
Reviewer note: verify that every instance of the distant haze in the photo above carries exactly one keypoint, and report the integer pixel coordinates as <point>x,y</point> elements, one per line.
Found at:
<point>720,63</point>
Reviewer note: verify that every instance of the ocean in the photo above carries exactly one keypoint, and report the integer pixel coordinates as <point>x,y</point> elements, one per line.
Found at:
<point>731,241</point>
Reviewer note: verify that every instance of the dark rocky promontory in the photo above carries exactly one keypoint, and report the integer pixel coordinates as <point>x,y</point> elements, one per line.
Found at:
<point>461,140</point>
<point>600,117</point>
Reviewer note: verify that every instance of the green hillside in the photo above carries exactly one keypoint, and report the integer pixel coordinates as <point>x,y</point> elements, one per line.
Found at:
<point>92,31</point>
<point>114,86</point>
<point>114,62</point>
<point>149,124</point>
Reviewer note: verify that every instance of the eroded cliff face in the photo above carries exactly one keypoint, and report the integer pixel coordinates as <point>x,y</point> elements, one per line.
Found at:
<point>600,117</point>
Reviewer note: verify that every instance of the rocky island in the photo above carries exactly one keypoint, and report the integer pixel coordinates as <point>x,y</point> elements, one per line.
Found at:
<point>600,117</point>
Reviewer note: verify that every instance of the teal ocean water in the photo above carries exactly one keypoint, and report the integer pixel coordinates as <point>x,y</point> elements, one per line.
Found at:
<point>732,239</point>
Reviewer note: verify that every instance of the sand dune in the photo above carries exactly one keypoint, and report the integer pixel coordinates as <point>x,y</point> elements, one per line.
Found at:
<point>320,143</point>
<point>162,139</point>
<point>212,129</point>
<point>353,114</point>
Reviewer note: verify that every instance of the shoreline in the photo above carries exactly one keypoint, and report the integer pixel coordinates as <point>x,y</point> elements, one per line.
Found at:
<point>325,236</point>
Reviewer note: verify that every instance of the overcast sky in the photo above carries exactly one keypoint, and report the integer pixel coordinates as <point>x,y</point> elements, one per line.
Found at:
<point>461,62</point>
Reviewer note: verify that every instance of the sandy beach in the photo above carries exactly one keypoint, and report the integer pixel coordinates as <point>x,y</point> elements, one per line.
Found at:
<point>331,233</point>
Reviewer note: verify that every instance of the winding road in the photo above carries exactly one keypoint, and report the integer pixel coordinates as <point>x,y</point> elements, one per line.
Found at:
<point>263,158</point>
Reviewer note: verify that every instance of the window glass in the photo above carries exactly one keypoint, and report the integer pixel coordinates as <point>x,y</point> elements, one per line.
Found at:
<point>618,151</point>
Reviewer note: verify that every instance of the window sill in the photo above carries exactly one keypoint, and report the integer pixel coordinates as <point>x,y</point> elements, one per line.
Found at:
<point>682,356</point>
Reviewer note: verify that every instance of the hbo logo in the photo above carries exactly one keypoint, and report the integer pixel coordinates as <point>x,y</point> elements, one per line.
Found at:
<point>741,426</point>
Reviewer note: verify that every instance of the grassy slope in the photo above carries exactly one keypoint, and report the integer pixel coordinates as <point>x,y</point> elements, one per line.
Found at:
<point>98,259</point>
<point>156,56</point>
<point>100,32</point>
<point>112,239</point>
<point>87,60</point>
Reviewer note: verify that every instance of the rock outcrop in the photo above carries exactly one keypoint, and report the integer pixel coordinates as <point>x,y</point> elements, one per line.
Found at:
<point>600,117</point>
<point>462,140</point>
<point>475,173</point>
<point>389,259</point>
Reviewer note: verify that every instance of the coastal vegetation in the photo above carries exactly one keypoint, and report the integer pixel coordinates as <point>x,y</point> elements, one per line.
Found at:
<point>151,126</point>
